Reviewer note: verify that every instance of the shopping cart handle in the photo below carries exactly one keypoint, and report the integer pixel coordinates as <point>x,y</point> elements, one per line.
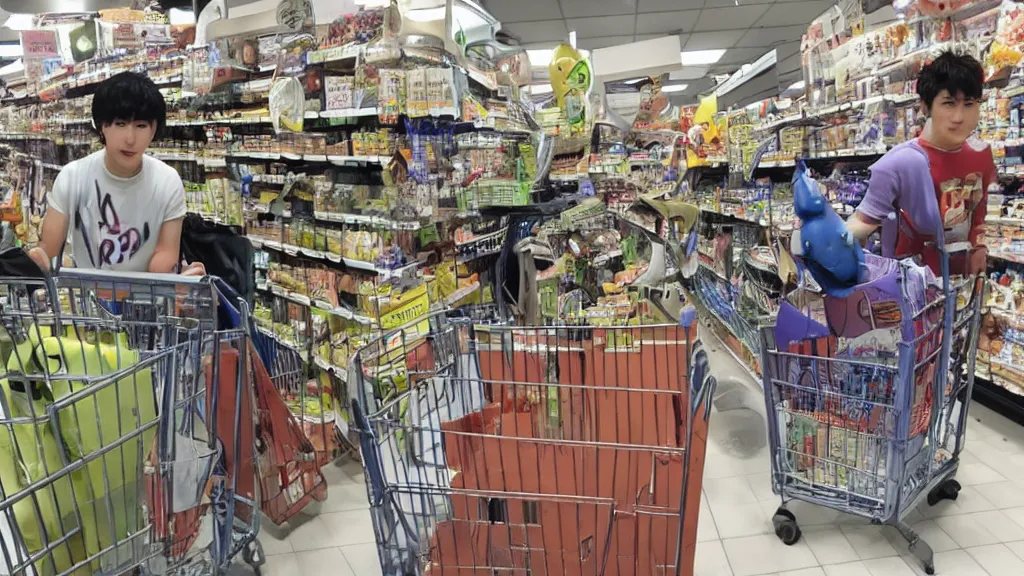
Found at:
<point>121,277</point>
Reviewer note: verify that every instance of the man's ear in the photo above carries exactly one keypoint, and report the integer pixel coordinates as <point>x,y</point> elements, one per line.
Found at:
<point>924,109</point>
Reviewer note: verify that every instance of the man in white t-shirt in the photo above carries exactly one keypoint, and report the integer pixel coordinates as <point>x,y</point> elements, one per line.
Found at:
<point>123,208</point>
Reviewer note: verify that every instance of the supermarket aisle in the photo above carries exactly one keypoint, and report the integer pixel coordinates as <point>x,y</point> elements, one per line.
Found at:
<point>982,533</point>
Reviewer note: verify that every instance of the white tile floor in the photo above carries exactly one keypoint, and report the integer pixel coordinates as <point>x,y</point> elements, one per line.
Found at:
<point>981,533</point>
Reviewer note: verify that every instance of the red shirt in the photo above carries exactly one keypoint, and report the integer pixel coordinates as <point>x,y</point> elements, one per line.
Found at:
<point>961,180</point>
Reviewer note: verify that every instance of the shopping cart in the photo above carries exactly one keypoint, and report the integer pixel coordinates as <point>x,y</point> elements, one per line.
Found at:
<point>491,448</point>
<point>867,397</point>
<point>120,427</point>
<point>299,429</point>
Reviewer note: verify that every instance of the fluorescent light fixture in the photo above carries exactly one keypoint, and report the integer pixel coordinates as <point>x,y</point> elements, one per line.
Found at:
<point>798,85</point>
<point>700,57</point>
<point>542,56</point>
<point>10,51</point>
<point>12,68</point>
<point>538,89</point>
<point>179,17</point>
<point>674,88</point>
<point>19,22</point>
<point>426,14</point>
<point>373,3</point>
<point>747,73</point>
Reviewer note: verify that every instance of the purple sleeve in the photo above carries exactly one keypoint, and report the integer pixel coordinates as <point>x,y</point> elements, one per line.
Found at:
<point>881,197</point>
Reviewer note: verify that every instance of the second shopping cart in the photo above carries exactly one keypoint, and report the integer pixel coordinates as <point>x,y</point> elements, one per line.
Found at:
<point>867,396</point>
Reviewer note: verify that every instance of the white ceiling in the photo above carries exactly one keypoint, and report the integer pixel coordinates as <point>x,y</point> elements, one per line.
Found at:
<point>746,29</point>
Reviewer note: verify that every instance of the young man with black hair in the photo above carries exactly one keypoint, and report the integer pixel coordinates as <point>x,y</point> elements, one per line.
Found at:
<point>947,162</point>
<point>124,209</point>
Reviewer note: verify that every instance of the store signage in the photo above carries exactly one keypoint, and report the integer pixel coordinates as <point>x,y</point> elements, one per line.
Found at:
<point>39,44</point>
<point>293,13</point>
<point>338,93</point>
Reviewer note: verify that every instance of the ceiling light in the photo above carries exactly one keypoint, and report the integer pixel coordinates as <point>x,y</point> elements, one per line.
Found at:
<point>701,57</point>
<point>426,14</point>
<point>373,3</point>
<point>10,51</point>
<point>12,68</point>
<point>19,22</point>
<point>538,89</point>
<point>798,85</point>
<point>539,57</point>
<point>674,88</point>
<point>542,56</point>
<point>179,17</point>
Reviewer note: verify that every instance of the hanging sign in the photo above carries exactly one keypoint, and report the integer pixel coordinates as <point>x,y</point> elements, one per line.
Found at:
<point>39,44</point>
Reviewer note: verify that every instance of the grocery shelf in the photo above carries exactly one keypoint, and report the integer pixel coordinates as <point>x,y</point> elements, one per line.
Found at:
<point>303,300</point>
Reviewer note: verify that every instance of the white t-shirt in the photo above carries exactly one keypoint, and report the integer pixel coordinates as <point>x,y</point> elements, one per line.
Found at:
<point>114,222</point>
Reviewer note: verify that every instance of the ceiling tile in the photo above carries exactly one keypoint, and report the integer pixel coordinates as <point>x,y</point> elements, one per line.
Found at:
<point>601,26</point>
<point>712,40</point>
<point>783,15</point>
<point>788,78</point>
<point>595,43</point>
<point>771,36</point>
<point>741,55</point>
<point>641,37</point>
<point>577,8</point>
<point>787,51</point>
<point>523,10</point>
<point>689,73</point>
<point>538,31</point>
<point>729,3</point>
<point>667,22</point>
<point>730,18</point>
<point>668,5</point>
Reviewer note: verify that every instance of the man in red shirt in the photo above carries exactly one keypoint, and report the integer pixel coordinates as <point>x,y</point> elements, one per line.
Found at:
<point>947,161</point>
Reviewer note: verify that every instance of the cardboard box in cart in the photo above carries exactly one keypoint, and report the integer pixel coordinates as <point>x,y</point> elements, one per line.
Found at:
<point>600,448</point>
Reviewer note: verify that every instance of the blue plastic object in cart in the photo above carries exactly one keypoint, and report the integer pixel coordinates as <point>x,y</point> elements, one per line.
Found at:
<point>687,316</point>
<point>829,250</point>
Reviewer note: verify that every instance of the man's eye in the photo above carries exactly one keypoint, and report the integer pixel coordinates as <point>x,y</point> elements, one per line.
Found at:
<point>120,124</point>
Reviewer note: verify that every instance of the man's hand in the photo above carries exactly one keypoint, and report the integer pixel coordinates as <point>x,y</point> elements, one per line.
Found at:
<point>38,255</point>
<point>194,269</point>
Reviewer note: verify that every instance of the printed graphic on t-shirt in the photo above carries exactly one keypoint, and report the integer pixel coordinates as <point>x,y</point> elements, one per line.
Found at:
<point>116,244</point>
<point>957,200</point>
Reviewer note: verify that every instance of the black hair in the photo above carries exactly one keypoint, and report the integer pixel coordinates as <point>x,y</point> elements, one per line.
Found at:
<point>960,74</point>
<point>128,96</point>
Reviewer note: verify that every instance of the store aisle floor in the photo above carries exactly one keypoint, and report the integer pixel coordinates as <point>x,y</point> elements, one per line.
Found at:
<point>982,533</point>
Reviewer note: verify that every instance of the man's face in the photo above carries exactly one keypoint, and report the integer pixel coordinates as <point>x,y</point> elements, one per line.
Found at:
<point>126,141</point>
<point>954,118</point>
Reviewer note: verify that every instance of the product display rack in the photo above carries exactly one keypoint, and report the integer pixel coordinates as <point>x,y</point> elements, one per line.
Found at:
<point>847,120</point>
<point>397,197</point>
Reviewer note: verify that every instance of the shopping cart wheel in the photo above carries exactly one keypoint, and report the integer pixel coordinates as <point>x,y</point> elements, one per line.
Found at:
<point>948,490</point>
<point>786,527</point>
<point>253,556</point>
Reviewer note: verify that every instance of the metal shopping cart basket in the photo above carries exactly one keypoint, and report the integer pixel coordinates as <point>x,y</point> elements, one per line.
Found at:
<point>543,450</point>
<point>867,396</point>
<point>121,427</point>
